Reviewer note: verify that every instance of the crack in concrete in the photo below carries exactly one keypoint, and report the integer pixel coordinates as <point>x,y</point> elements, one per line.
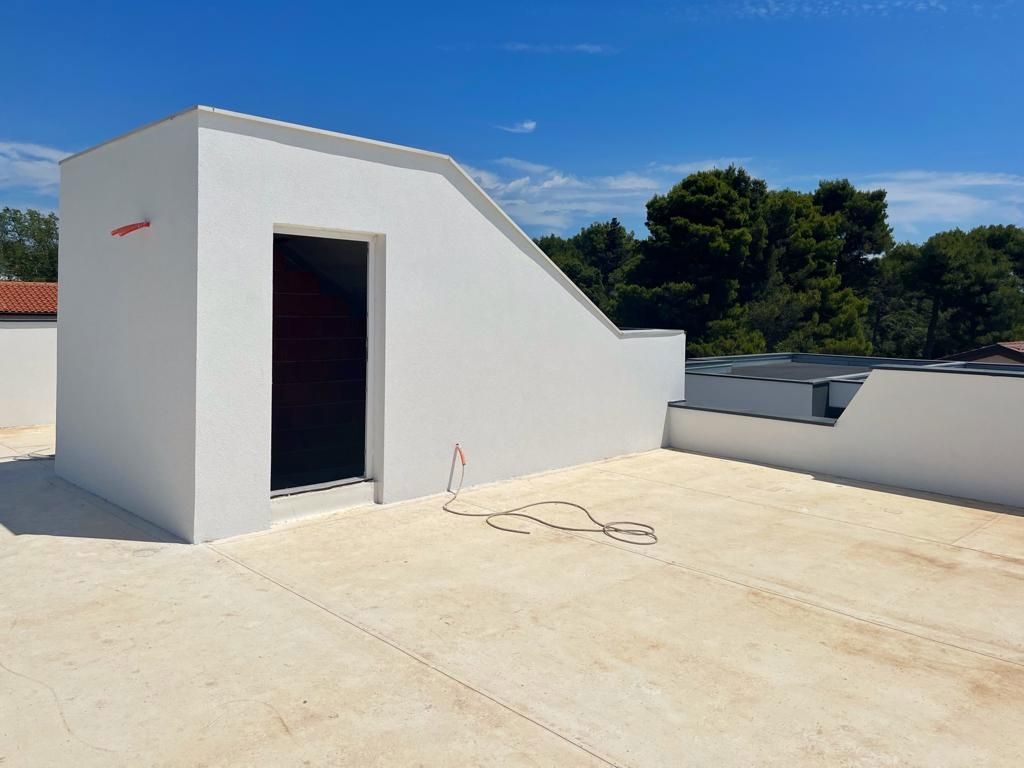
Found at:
<point>60,709</point>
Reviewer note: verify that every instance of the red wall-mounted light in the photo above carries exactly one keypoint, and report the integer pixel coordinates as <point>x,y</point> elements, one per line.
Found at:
<point>129,228</point>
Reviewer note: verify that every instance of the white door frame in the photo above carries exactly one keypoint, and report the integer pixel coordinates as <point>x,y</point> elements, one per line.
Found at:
<point>374,426</point>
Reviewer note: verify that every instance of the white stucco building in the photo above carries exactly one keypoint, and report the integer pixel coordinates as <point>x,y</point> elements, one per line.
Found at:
<point>308,309</point>
<point>28,353</point>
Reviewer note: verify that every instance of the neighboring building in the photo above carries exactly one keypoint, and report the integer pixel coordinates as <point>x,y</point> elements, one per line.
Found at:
<point>297,309</point>
<point>950,427</point>
<point>1002,352</point>
<point>28,353</point>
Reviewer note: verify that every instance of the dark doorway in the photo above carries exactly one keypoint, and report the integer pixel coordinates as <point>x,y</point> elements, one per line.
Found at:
<point>318,418</point>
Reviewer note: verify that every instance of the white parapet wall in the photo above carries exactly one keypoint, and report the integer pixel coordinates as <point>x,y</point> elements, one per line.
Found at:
<point>476,336</point>
<point>955,433</point>
<point>28,381</point>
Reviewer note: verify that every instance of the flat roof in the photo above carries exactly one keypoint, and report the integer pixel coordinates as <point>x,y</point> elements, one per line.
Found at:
<point>816,367</point>
<point>781,618</point>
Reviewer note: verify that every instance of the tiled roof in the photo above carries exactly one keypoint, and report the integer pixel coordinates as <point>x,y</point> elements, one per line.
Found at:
<point>18,298</point>
<point>1016,346</point>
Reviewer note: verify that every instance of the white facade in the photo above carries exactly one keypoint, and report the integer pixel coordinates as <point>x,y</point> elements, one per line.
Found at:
<point>938,431</point>
<point>28,371</point>
<point>165,340</point>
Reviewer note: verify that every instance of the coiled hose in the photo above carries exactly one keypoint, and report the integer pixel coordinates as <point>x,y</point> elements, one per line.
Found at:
<point>626,531</point>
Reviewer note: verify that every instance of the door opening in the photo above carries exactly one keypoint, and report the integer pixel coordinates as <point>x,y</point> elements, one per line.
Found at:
<point>318,411</point>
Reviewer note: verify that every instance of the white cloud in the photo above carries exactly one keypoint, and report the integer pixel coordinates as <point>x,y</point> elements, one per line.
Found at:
<point>523,126</point>
<point>775,9</point>
<point>633,181</point>
<point>924,202</point>
<point>31,168</point>
<point>546,199</point>
<point>522,165</point>
<point>559,180</point>
<point>590,48</point>
<point>701,165</point>
<point>953,179</point>
<point>485,179</point>
<point>551,200</point>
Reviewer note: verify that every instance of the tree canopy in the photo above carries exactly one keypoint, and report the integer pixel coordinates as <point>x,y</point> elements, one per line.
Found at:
<point>746,269</point>
<point>28,245</point>
<point>596,259</point>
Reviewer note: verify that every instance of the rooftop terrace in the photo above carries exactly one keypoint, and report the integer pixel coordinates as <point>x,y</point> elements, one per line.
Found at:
<point>782,619</point>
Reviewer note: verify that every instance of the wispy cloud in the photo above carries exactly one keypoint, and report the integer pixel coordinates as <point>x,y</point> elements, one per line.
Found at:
<point>632,182</point>
<point>781,10</point>
<point>590,48</point>
<point>523,126</point>
<point>29,168</point>
<point>543,198</point>
<point>522,165</point>
<point>701,165</point>
<point>556,202</point>
<point>774,9</point>
<point>924,202</point>
<point>546,199</point>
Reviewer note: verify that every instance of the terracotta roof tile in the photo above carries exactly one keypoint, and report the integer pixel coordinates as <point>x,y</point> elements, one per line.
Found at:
<point>18,298</point>
<point>1016,346</point>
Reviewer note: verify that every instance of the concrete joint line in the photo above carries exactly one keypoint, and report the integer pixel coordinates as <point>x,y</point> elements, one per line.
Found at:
<point>783,596</point>
<point>981,527</point>
<point>836,520</point>
<point>416,657</point>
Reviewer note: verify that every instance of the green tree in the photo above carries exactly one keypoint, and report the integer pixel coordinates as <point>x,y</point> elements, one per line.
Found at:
<point>898,314</point>
<point>861,225</point>
<point>607,246</point>
<point>596,259</point>
<point>569,259</point>
<point>975,298</point>
<point>730,335</point>
<point>1007,239</point>
<point>28,245</point>
<point>704,255</point>
<point>804,307</point>
<point>744,269</point>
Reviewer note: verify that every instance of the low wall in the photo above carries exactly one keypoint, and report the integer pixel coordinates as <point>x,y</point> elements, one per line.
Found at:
<point>28,372</point>
<point>943,432</point>
<point>741,393</point>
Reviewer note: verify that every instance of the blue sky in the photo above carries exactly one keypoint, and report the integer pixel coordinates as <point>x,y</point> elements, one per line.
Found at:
<point>566,112</point>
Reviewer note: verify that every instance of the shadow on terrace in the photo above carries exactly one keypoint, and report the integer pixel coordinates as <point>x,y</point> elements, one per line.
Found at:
<point>35,501</point>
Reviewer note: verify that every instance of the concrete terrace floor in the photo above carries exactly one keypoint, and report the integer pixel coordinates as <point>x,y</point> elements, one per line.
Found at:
<point>782,620</point>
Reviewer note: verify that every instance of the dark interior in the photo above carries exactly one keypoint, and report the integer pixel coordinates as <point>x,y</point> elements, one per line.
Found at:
<point>318,416</point>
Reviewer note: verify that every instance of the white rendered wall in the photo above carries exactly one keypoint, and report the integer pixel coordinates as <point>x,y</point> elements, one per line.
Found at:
<point>482,341</point>
<point>28,372</point>
<point>164,349</point>
<point>126,338</point>
<point>736,393</point>
<point>950,433</point>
